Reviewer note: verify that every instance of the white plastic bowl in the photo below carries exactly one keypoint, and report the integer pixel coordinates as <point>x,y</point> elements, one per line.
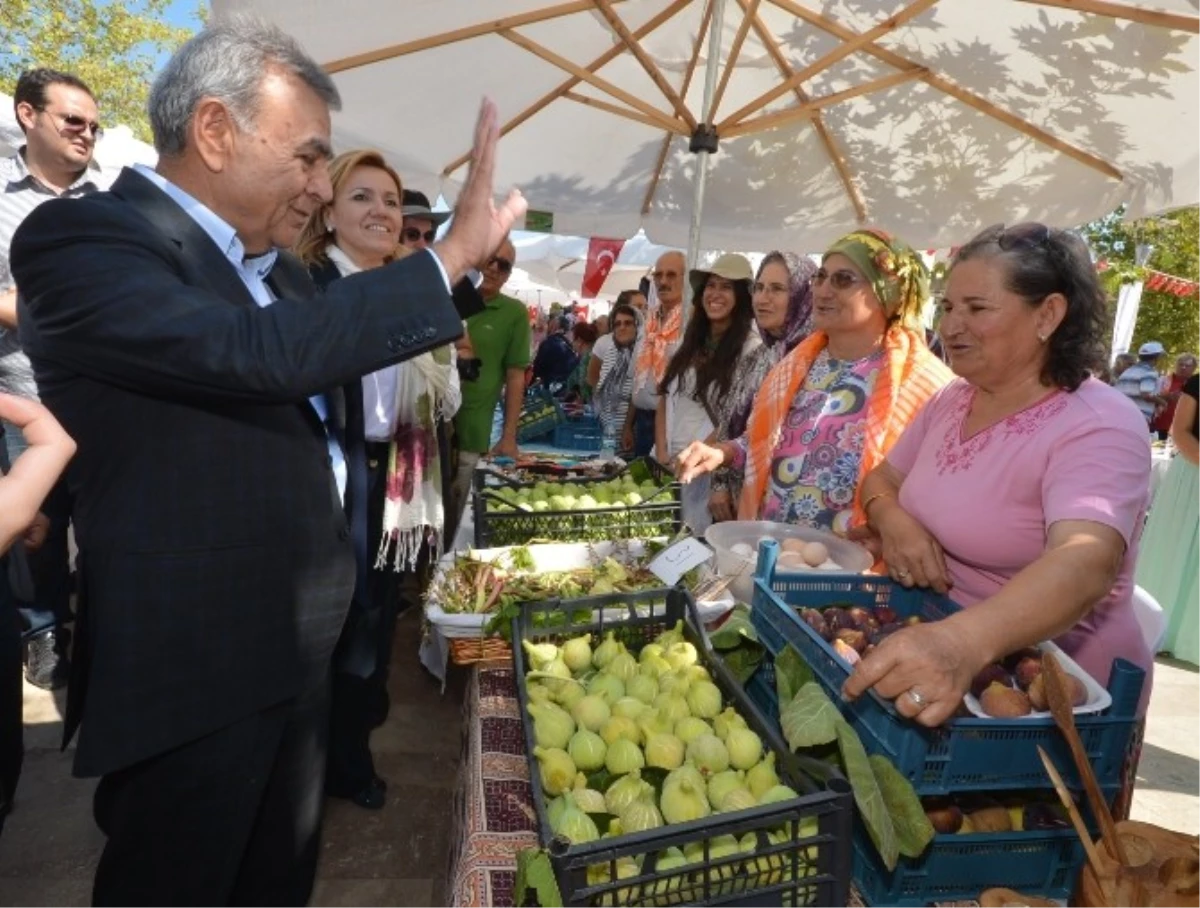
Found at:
<point>851,557</point>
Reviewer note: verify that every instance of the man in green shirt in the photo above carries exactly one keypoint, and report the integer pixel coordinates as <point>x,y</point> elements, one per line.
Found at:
<point>499,338</point>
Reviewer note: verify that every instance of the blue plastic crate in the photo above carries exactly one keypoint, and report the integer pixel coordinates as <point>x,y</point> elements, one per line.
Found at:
<point>954,867</point>
<point>963,754</point>
<point>959,867</point>
<point>582,433</point>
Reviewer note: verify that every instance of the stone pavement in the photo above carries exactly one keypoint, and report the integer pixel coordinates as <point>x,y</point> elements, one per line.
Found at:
<point>398,855</point>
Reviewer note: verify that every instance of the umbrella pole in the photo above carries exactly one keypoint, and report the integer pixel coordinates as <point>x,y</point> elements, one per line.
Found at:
<point>704,141</point>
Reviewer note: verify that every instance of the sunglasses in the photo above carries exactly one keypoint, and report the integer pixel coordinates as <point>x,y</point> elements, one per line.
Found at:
<point>1030,235</point>
<point>500,263</point>
<point>839,280</point>
<point>413,235</point>
<point>624,323</point>
<point>76,123</point>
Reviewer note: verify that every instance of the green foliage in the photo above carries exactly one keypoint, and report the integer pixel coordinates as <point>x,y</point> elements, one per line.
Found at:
<point>1175,236</point>
<point>113,46</point>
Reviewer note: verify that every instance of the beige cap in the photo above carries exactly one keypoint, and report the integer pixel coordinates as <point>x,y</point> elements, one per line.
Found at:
<point>731,266</point>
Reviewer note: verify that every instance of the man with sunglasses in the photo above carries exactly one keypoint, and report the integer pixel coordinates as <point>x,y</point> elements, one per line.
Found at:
<point>500,339</point>
<point>58,115</point>
<point>420,221</point>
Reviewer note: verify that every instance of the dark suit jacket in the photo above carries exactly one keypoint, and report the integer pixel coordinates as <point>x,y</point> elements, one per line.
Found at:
<point>215,559</point>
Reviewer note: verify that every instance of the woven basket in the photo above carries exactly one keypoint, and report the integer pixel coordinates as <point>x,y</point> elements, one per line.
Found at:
<point>469,650</point>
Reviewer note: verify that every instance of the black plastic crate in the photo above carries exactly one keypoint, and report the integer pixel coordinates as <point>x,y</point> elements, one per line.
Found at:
<point>660,515</point>
<point>788,873</point>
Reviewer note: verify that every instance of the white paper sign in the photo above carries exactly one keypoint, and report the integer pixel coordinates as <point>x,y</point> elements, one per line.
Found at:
<point>674,561</point>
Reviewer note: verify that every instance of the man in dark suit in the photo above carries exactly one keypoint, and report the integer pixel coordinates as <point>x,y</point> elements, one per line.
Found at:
<point>183,354</point>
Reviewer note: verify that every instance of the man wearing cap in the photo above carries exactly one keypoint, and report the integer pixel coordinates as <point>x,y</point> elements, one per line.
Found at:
<point>1141,381</point>
<point>420,221</point>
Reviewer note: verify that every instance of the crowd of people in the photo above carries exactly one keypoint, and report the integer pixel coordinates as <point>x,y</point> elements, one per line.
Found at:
<point>280,382</point>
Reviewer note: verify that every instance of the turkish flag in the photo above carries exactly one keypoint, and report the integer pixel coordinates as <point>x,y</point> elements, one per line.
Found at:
<point>602,255</point>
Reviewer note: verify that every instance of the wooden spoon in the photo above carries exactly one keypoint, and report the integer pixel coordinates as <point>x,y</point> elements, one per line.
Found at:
<point>1064,716</point>
<point>1101,870</point>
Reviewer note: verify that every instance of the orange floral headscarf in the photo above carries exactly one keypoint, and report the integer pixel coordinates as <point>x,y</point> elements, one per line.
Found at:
<point>910,376</point>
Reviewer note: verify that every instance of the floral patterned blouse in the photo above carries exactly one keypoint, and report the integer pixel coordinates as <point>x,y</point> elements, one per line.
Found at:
<point>815,466</point>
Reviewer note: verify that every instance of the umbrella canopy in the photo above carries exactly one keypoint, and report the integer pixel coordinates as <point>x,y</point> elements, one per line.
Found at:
<point>560,261</point>
<point>929,118</point>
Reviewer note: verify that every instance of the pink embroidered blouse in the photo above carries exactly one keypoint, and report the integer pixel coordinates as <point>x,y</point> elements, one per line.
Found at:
<point>990,499</point>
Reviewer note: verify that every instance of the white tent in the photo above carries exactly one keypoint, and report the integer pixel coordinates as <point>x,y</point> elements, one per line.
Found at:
<point>119,148</point>
<point>930,118</point>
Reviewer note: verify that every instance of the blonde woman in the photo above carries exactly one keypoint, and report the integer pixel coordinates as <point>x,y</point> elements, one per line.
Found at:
<point>395,499</point>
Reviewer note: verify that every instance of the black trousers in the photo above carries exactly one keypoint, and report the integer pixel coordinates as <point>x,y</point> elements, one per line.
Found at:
<point>231,819</point>
<point>360,699</point>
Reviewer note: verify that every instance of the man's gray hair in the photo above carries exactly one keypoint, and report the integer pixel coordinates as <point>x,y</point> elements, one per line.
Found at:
<point>228,61</point>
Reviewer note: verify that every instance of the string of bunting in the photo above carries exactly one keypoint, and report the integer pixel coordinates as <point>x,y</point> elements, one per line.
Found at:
<point>1166,283</point>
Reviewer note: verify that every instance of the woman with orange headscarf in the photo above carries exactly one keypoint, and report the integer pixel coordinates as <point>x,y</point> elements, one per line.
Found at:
<point>831,409</point>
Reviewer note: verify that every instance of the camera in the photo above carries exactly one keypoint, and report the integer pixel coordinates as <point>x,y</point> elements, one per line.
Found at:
<point>468,369</point>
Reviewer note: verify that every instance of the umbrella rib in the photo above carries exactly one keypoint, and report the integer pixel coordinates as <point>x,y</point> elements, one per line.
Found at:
<point>818,123</point>
<point>634,47</point>
<point>847,47</point>
<point>750,11</point>
<point>687,82</point>
<point>566,86</point>
<point>791,114</point>
<point>664,120</point>
<point>678,129</point>
<point>954,90</point>
<point>459,34</point>
<point>1144,16</point>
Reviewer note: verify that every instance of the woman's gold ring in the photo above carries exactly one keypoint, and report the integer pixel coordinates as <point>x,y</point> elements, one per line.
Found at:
<point>901,573</point>
<point>917,697</point>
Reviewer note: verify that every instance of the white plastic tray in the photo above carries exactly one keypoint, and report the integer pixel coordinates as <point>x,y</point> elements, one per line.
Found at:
<point>1098,697</point>
<point>546,557</point>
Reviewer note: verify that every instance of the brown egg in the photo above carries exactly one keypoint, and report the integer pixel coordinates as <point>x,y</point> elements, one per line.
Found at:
<point>815,553</point>
<point>793,545</point>
<point>792,561</point>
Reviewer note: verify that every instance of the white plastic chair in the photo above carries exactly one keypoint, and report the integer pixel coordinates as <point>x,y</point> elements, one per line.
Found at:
<point>1150,618</point>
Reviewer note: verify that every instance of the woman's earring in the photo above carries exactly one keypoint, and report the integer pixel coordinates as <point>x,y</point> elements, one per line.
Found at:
<point>1042,338</point>
<point>328,227</point>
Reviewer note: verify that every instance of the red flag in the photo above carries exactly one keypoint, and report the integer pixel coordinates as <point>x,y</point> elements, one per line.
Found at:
<point>602,255</point>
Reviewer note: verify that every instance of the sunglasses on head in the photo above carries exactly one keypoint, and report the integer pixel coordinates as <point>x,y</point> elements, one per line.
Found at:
<point>500,264</point>
<point>76,123</point>
<point>839,280</point>
<point>413,235</point>
<point>1030,235</point>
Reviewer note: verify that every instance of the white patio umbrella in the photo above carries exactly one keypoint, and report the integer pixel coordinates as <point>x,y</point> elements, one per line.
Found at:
<point>927,118</point>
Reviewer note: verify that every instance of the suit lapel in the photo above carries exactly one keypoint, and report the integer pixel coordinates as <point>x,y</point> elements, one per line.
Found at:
<point>175,223</point>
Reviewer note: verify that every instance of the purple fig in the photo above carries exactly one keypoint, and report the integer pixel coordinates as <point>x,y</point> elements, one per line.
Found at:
<point>1012,659</point>
<point>837,618</point>
<point>852,637</point>
<point>863,619</point>
<point>1039,815</point>
<point>816,621</point>
<point>990,673</point>
<point>885,614</point>
<point>1026,670</point>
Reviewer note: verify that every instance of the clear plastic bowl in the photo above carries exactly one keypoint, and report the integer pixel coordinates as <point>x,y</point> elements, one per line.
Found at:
<point>851,557</point>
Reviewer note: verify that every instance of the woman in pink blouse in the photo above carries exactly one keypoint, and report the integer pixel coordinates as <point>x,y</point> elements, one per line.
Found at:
<point>1020,489</point>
